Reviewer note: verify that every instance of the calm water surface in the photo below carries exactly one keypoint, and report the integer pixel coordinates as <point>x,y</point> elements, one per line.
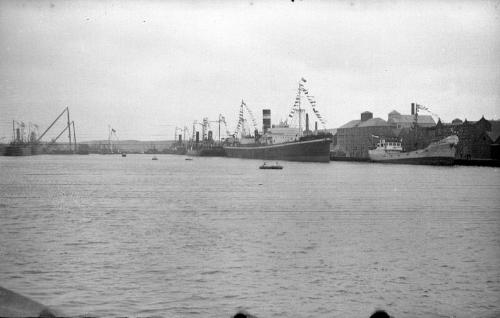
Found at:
<point>112,236</point>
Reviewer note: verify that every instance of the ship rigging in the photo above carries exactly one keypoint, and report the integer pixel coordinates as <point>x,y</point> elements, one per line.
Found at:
<point>299,110</point>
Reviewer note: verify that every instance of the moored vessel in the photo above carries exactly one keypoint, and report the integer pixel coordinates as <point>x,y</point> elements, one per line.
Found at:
<point>316,150</point>
<point>207,151</point>
<point>441,152</point>
<point>19,149</point>
<point>24,142</point>
<point>282,141</point>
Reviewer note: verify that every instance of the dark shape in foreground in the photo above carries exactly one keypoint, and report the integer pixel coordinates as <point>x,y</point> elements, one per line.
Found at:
<point>380,314</point>
<point>15,305</point>
<point>376,314</point>
<point>243,314</point>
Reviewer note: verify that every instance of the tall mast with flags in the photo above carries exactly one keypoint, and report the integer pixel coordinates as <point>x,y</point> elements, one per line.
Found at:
<point>301,87</point>
<point>297,106</point>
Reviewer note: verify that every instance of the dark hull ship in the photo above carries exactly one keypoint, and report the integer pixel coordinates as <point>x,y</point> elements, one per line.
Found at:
<point>282,142</point>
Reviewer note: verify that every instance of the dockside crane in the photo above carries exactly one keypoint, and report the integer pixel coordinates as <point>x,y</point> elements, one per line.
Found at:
<point>185,131</point>
<point>175,133</point>
<point>220,120</point>
<point>67,127</point>
<point>195,123</point>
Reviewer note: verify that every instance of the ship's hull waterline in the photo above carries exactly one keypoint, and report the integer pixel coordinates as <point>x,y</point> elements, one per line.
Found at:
<point>21,150</point>
<point>317,150</point>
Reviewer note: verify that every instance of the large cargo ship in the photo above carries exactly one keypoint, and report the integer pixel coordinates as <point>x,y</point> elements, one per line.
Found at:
<point>282,142</point>
<point>315,150</point>
<point>441,152</point>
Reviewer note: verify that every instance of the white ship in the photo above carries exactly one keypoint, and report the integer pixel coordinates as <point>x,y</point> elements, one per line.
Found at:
<point>441,152</point>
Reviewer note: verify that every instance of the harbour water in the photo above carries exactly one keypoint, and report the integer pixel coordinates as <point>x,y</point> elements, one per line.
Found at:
<point>111,236</point>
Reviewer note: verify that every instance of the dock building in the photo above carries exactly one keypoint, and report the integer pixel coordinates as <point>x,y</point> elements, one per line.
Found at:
<point>354,138</point>
<point>477,139</point>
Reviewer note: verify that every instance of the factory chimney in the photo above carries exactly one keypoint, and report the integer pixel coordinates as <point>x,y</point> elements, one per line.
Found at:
<point>413,109</point>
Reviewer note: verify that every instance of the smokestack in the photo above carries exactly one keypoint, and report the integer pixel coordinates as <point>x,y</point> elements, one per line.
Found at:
<point>307,123</point>
<point>315,126</point>
<point>266,120</point>
<point>18,134</point>
<point>413,108</point>
<point>180,138</point>
<point>197,137</point>
<point>210,135</point>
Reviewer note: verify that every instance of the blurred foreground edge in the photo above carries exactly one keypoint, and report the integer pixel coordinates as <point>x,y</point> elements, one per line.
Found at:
<point>15,305</point>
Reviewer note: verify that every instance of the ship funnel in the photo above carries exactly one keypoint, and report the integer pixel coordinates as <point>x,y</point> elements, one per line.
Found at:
<point>266,120</point>
<point>413,109</point>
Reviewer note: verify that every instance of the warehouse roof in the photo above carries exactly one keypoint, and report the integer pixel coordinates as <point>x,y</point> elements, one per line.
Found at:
<point>422,119</point>
<point>372,122</point>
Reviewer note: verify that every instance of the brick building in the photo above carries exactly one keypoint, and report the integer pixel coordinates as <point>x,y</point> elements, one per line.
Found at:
<point>355,137</point>
<point>476,140</point>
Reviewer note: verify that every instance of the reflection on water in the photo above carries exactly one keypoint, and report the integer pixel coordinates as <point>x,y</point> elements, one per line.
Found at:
<point>113,236</point>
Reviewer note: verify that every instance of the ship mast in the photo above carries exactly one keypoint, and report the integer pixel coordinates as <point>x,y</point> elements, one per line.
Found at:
<point>300,110</point>
<point>297,106</point>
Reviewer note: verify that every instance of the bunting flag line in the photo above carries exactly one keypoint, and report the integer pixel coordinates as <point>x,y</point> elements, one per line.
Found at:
<point>311,101</point>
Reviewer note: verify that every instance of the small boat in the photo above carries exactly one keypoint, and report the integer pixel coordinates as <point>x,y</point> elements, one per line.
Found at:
<point>124,154</point>
<point>271,166</point>
<point>188,159</point>
<point>154,158</point>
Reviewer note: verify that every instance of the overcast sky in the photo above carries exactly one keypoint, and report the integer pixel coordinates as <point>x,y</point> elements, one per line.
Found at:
<point>145,67</point>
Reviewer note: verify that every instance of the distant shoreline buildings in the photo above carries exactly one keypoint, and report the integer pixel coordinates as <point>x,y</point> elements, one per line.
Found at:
<point>477,139</point>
